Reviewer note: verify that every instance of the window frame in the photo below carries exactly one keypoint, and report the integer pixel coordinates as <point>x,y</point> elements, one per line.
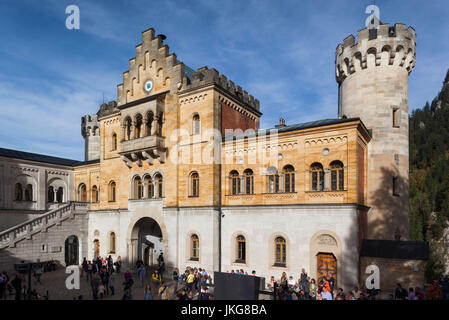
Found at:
<point>194,247</point>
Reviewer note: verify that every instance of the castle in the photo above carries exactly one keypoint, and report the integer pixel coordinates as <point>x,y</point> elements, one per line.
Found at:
<point>179,165</point>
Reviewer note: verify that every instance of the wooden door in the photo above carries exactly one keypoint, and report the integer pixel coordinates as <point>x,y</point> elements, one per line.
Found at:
<point>326,266</point>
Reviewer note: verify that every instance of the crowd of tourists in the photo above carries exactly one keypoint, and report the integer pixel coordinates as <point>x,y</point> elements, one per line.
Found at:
<point>306,288</point>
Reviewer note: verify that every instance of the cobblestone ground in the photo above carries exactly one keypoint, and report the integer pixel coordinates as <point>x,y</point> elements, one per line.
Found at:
<point>54,283</point>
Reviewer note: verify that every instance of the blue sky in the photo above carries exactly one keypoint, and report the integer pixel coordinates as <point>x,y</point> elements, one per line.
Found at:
<point>282,52</point>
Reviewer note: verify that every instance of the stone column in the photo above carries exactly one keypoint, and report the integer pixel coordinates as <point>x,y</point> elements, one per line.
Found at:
<point>154,126</point>
<point>326,180</point>
<point>55,191</point>
<point>133,130</point>
<point>124,132</point>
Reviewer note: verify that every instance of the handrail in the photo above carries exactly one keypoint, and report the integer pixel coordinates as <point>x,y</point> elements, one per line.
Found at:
<point>34,225</point>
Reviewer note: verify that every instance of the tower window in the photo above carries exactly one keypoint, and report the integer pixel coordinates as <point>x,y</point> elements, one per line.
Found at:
<point>396,118</point>
<point>395,187</point>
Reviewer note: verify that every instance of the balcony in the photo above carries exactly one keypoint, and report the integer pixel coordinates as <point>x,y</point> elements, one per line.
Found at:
<point>143,149</point>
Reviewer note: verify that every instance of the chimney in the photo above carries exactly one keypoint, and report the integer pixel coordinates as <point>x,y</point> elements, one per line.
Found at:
<point>281,123</point>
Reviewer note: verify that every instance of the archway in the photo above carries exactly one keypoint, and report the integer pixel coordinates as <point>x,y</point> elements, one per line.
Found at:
<point>71,251</point>
<point>146,242</point>
<point>96,248</point>
<point>326,266</point>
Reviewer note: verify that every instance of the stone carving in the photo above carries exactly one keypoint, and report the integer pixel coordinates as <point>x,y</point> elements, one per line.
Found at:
<point>327,240</point>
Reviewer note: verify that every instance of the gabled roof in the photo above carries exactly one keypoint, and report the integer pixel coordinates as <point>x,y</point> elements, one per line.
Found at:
<point>393,249</point>
<point>16,154</point>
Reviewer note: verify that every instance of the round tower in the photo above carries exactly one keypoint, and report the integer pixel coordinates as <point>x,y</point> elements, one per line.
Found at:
<point>90,130</point>
<point>372,76</point>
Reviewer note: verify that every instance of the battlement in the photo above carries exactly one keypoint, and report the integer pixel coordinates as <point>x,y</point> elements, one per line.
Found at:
<point>107,109</point>
<point>153,60</point>
<point>205,77</point>
<point>394,46</point>
<point>90,126</point>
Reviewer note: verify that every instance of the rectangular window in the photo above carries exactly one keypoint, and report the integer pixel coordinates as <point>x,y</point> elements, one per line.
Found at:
<point>396,118</point>
<point>273,183</point>
<point>334,180</point>
<point>314,181</point>
<point>341,179</point>
<point>395,187</point>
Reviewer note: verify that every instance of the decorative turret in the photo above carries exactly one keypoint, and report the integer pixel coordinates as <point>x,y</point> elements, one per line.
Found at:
<point>90,130</point>
<point>372,75</point>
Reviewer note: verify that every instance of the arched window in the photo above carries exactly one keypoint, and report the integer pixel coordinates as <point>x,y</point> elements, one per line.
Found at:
<point>273,180</point>
<point>112,243</point>
<point>51,195</point>
<point>249,181</point>
<point>235,182</point>
<point>337,176</point>
<point>138,188</point>
<point>138,126</point>
<point>94,194</point>
<point>60,195</point>
<point>148,123</point>
<point>82,193</point>
<point>289,179</point>
<point>150,187</point>
<point>159,185</point>
<point>194,185</point>
<point>194,247</point>
<point>196,124</point>
<point>241,249</point>
<point>317,173</point>
<point>114,142</point>
<point>18,192</point>
<point>111,196</point>
<point>280,251</point>
<point>128,128</point>
<point>29,193</point>
<point>159,125</point>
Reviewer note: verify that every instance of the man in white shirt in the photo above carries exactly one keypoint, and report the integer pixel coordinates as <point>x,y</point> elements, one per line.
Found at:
<point>326,295</point>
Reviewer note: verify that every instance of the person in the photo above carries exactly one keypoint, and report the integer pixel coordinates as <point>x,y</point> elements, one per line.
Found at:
<point>190,281</point>
<point>331,281</point>
<point>318,296</point>
<point>141,272</point>
<point>127,276</point>
<point>253,273</point>
<point>304,281</point>
<point>324,283</point>
<point>83,267</point>
<point>127,295</point>
<point>411,294</point>
<point>156,280</point>
<point>112,282</point>
<point>89,271</point>
<point>163,293</point>
<point>400,293</point>
<point>118,264</point>
<point>273,287</point>
<point>356,293</point>
<point>160,259</point>
<point>148,294</point>
<point>38,271</point>
<point>419,293</point>
<point>104,275</point>
<point>176,280</point>
<point>2,286</point>
<point>101,291</point>
<point>434,291</point>
<point>325,294</point>
<point>95,284</point>
<point>17,285</point>
<point>445,287</point>
<point>205,295</point>
<point>312,290</point>
<point>284,284</point>
<point>182,295</point>
<point>340,294</point>
<point>350,296</point>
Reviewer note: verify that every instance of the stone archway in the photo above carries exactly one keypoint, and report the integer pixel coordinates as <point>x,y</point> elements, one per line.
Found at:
<point>147,238</point>
<point>71,251</point>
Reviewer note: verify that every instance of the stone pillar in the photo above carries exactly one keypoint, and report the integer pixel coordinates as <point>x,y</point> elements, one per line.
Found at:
<point>55,191</point>
<point>133,130</point>
<point>326,179</point>
<point>124,132</point>
<point>154,126</point>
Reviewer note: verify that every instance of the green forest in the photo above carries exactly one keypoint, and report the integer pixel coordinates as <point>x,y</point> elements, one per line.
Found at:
<point>429,178</point>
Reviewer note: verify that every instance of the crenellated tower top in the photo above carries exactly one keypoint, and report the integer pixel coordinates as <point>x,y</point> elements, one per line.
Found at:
<point>386,45</point>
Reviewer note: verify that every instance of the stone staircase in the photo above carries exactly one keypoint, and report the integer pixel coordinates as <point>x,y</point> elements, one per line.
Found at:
<point>26,230</point>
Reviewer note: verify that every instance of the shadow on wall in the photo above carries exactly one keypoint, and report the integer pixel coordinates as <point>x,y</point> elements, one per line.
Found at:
<point>388,218</point>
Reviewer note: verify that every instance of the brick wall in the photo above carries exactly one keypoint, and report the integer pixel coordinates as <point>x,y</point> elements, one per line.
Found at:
<point>232,119</point>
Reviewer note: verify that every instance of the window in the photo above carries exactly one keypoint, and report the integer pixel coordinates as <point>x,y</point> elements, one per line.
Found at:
<point>280,252</point>
<point>112,243</point>
<point>289,179</point>
<point>138,127</point>
<point>395,187</point>
<point>196,124</point>
<point>51,194</point>
<point>60,195</point>
<point>19,192</point>
<point>150,187</point>
<point>241,249</point>
<point>111,197</point>
<point>29,193</point>
<point>249,181</point>
<point>396,122</point>
<point>138,189</point>
<point>337,176</point>
<point>82,193</point>
<point>194,247</point>
<point>317,177</point>
<point>195,185</point>
<point>235,182</point>
<point>114,142</point>
<point>128,128</point>
<point>94,194</point>
<point>159,185</point>
<point>273,183</point>
<point>148,124</point>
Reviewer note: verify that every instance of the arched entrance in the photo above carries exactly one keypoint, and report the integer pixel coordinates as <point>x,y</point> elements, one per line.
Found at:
<point>146,242</point>
<point>71,251</point>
